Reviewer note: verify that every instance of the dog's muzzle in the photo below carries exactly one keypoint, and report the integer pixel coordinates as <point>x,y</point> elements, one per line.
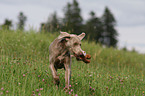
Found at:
<point>81,54</point>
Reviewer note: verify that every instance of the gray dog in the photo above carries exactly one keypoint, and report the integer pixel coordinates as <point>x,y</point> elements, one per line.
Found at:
<point>59,54</point>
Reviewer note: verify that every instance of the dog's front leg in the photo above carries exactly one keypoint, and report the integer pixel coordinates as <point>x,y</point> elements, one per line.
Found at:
<point>54,74</point>
<point>67,72</point>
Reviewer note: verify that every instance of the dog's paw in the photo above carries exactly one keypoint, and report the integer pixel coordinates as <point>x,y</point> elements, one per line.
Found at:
<point>56,80</point>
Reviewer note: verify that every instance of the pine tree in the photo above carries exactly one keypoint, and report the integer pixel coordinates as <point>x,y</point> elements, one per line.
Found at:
<point>7,24</point>
<point>94,28</point>
<point>72,21</point>
<point>52,25</point>
<point>22,19</point>
<point>110,34</point>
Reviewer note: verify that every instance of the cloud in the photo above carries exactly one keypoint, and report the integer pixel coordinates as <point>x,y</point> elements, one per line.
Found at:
<point>132,37</point>
<point>37,11</point>
<point>129,15</point>
<point>122,9</point>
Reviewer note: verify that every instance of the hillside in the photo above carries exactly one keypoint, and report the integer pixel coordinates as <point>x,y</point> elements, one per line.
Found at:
<point>24,68</point>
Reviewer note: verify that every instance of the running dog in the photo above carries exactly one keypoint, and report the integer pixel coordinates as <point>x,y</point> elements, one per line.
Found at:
<point>60,51</point>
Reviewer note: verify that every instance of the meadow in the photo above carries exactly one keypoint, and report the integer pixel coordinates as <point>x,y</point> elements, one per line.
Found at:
<point>24,69</point>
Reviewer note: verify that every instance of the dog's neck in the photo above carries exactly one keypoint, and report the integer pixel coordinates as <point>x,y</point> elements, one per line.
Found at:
<point>63,50</point>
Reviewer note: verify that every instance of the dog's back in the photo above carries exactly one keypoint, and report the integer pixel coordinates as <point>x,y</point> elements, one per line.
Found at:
<point>53,50</point>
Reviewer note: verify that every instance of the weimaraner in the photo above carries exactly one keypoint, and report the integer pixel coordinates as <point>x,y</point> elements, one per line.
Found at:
<point>60,51</point>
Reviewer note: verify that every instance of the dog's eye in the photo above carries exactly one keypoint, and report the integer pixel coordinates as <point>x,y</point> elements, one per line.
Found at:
<point>75,44</point>
<point>80,44</point>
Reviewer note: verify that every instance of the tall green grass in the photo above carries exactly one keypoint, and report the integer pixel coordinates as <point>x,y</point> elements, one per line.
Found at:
<point>24,69</point>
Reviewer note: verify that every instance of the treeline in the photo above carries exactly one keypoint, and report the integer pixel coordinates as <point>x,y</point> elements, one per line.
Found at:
<point>20,24</point>
<point>99,29</point>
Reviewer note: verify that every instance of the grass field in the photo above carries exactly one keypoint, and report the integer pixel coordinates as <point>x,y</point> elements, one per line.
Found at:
<point>24,69</point>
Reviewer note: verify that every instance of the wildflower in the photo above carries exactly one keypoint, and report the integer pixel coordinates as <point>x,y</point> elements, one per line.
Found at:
<point>71,90</point>
<point>76,95</point>
<point>111,77</point>
<point>33,94</point>
<point>69,85</point>
<point>38,75</point>
<point>37,90</point>
<point>19,83</point>
<point>121,80</point>
<point>107,88</point>
<point>1,93</point>
<point>2,88</point>
<point>69,93</point>
<point>64,88</point>
<point>66,91</point>
<point>39,94</point>
<point>7,91</point>
<point>23,75</point>
<point>90,87</point>
<point>43,80</point>
<point>90,75</point>
<point>41,88</point>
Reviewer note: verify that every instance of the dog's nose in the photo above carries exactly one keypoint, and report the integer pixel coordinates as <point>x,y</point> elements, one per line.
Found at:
<point>84,53</point>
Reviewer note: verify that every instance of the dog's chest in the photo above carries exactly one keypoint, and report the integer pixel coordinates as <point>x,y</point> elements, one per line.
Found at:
<point>59,63</point>
<point>61,59</point>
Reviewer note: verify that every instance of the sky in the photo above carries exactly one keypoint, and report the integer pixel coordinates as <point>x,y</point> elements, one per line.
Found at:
<point>129,14</point>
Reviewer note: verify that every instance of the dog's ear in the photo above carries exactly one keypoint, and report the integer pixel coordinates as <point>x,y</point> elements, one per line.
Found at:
<point>81,36</point>
<point>63,34</point>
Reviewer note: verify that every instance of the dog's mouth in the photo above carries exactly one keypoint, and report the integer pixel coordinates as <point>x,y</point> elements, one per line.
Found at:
<point>78,57</point>
<point>83,57</point>
<point>81,54</point>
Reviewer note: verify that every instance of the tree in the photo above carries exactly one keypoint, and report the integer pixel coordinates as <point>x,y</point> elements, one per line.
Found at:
<point>72,18</point>
<point>52,25</point>
<point>22,20</point>
<point>7,24</point>
<point>94,28</point>
<point>124,48</point>
<point>110,34</point>
<point>42,27</point>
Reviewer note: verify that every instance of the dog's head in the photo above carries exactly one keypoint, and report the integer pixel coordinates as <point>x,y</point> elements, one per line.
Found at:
<point>72,42</point>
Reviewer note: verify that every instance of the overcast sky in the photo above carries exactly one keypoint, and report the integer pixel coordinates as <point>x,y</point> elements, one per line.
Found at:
<point>130,15</point>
